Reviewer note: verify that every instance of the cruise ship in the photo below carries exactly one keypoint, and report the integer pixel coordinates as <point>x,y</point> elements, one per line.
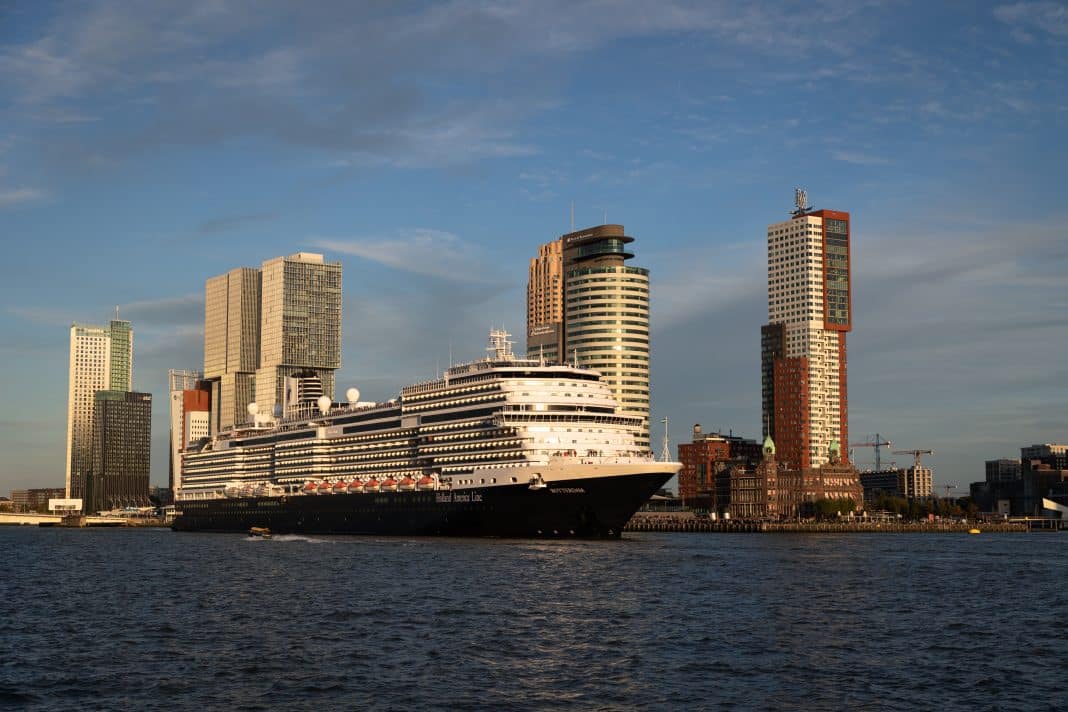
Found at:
<point>502,447</point>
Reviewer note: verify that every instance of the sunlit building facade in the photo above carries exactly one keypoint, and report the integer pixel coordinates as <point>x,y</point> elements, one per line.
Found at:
<point>604,303</point>
<point>101,358</point>
<point>803,345</point>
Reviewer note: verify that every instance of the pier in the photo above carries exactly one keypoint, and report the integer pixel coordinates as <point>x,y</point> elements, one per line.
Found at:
<point>76,521</point>
<point>687,522</point>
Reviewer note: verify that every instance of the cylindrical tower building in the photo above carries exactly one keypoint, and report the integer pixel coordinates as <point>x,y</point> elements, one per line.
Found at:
<point>606,314</point>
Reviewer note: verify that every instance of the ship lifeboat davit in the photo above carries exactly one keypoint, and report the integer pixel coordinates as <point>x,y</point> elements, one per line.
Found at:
<point>406,484</point>
<point>355,486</point>
<point>425,482</point>
<point>341,487</point>
<point>310,488</point>
<point>324,488</point>
<point>371,484</point>
<point>389,484</point>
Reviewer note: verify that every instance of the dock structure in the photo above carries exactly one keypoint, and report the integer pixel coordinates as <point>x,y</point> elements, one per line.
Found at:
<point>687,522</point>
<point>56,520</point>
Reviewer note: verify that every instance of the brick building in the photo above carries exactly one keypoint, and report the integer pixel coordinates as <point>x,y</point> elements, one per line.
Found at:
<point>704,481</point>
<point>773,490</point>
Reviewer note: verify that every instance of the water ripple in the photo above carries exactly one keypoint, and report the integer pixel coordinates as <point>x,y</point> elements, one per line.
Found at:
<point>114,619</point>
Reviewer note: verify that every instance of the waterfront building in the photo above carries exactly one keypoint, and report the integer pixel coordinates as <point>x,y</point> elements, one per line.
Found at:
<point>587,306</point>
<point>231,343</point>
<point>1003,470</point>
<point>122,442</point>
<point>803,345</point>
<point>1053,455</point>
<point>35,500</point>
<point>190,410</point>
<point>774,490</point>
<point>300,327</point>
<point>704,480</point>
<point>264,327</point>
<point>101,358</point>
<point>916,482</point>
<point>881,483</point>
<point>1040,473</point>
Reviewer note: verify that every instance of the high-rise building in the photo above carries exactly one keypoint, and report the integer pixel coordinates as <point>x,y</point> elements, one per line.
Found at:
<point>300,325</point>
<point>122,442</point>
<point>101,358</point>
<point>545,302</point>
<point>803,346</point>
<point>232,343</point>
<point>585,305</point>
<point>269,333</point>
<point>190,407</point>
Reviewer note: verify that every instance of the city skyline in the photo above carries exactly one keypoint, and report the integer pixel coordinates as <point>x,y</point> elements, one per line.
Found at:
<point>204,139</point>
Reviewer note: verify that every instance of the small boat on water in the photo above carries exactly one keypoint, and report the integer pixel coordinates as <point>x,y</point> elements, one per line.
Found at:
<point>974,531</point>
<point>261,532</point>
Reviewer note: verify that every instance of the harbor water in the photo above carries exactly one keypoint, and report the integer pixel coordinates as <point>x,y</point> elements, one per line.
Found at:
<point>132,619</point>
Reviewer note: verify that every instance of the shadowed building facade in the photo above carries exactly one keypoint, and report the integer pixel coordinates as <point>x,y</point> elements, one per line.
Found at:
<point>122,444</point>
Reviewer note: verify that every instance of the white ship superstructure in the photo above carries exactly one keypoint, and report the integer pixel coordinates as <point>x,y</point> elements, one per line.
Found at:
<point>499,421</point>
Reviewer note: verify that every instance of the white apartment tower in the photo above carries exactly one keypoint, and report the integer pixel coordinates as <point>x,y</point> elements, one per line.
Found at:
<point>101,359</point>
<point>803,346</point>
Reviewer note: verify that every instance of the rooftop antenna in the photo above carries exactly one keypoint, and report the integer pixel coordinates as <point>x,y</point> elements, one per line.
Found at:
<point>605,216</point>
<point>572,216</point>
<point>665,444</point>
<point>801,205</point>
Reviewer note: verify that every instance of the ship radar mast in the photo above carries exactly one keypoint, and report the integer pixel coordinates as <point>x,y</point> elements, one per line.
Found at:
<point>500,347</point>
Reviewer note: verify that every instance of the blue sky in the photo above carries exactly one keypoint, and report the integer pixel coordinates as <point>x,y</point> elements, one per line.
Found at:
<point>431,147</point>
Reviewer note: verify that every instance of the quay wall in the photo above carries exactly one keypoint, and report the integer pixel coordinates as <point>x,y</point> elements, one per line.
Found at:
<point>647,522</point>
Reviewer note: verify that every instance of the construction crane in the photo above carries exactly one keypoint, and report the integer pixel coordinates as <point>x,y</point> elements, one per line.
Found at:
<point>915,454</point>
<point>876,443</point>
<point>948,488</point>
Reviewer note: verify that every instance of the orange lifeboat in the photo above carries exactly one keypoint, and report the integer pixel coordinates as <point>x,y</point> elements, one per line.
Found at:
<point>310,487</point>
<point>406,484</point>
<point>324,488</point>
<point>426,482</point>
<point>389,484</point>
<point>340,487</point>
<point>355,486</point>
<point>371,484</point>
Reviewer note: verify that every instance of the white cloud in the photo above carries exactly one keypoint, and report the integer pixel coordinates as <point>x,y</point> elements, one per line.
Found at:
<point>860,159</point>
<point>1029,17</point>
<point>19,196</point>
<point>433,253</point>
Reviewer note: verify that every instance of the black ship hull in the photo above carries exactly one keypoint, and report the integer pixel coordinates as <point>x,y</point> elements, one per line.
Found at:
<point>595,507</point>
